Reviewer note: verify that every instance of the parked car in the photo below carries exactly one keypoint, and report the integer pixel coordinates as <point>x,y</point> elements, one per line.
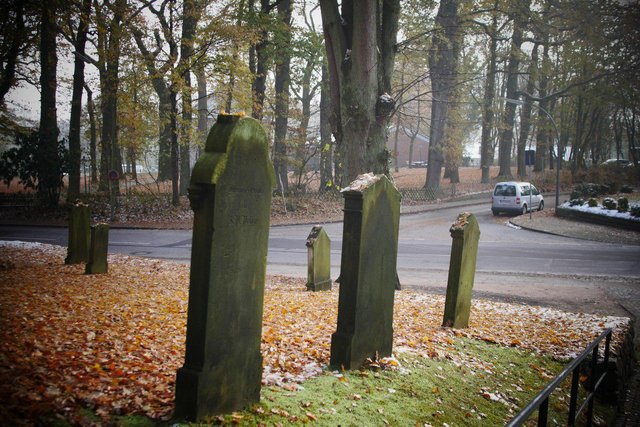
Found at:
<point>616,162</point>
<point>515,197</point>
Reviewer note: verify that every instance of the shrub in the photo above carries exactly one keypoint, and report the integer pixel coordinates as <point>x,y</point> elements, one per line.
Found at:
<point>590,189</point>
<point>612,187</point>
<point>634,210</point>
<point>592,202</point>
<point>576,202</point>
<point>35,167</point>
<point>623,204</point>
<point>625,188</point>
<point>609,203</point>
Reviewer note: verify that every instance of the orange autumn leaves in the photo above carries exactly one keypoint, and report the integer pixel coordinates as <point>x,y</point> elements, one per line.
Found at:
<point>113,342</point>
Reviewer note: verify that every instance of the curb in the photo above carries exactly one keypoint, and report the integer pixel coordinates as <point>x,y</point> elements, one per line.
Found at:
<point>537,230</point>
<point>419,209</point>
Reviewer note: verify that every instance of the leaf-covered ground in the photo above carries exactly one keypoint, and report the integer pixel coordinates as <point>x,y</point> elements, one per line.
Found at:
<point>113,342</point>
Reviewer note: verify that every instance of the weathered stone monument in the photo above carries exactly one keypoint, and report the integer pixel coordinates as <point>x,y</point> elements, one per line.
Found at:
<point>98,249</point>
<point>319,260</point>
<point>368,272</point>
<point>230,194</point>
<point>462,269</point>
<point>78,244</point>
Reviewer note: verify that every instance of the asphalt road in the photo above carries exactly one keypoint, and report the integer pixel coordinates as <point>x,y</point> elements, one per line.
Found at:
<point>512,264</point>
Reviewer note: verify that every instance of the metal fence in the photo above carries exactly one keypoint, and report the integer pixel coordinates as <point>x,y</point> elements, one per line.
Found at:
<point>541,401</point>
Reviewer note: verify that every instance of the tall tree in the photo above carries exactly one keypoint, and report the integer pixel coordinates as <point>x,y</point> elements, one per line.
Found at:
<point>360,39</point>
<point>190,16</point>
<point>75,151</point>
<point>157,74</point>
<point>93,134</point>
<point>520,15</point>
<point>282,82</point>
<point>525,113</point>
<point>443,65</point>
<point>326,144</point>
<point>203,107</point>
<point>542,134</point>
<point>486,153</point>
<point>109,22</point>
<point>14,37</point>
<point>47,161</point>
<point>259,51</point>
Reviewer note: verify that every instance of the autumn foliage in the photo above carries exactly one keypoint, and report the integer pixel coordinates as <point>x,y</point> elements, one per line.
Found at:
<point>112,343</point>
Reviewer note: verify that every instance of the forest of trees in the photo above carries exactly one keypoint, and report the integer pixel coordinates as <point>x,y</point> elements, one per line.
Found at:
<point>328,79</point>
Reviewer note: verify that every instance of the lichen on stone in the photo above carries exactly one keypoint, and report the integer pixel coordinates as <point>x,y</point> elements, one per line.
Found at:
<point>362,182</point>
<point>461,221</point>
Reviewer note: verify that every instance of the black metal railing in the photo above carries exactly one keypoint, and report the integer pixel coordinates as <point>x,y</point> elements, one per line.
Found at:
<point>541,401</point>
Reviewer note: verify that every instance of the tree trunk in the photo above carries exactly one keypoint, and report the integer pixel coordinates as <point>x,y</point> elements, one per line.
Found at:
<point>486,153</point>
<point>520,18</point>
<point>164,137</point>
<point>326,146</point>
<point>525,114</point>
<point>336,45</point>
<point>109,52</point>
<point>398,120</point>
<point>360,55</point>
<point>443,65</point>
<point>164,107</point>
<point>411,142</point>
<point>630,126</point>
<point>16,40</point>
<point>75,150</point>
<point>175,150</point>
<point>203,108</point>
<point>396,133</point>
<point>47,161</point>
<point>190,17</point>
<point>282,76</point>
<point>259,85</point>
<point>542,134</point>
<point>93,135</point>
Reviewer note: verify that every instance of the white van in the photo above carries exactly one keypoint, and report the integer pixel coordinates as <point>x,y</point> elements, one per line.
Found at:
<point>515,197</point>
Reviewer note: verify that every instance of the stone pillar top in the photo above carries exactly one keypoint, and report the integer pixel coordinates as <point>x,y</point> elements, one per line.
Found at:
<point>231,132</point>
<point>362,183</point>
<point>314,234</point>
<point>463,225</point>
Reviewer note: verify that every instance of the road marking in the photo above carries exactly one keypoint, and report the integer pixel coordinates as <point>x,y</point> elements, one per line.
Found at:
<point>36,239</point>
<point>130,243</point>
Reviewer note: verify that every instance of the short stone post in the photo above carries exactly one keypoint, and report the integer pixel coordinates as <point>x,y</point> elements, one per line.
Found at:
<point>230,194</point>
<point>319,260</point>
<point>368,272</point>
<point>98,249</point>
<point>78,245</point>
<point>462,269</point>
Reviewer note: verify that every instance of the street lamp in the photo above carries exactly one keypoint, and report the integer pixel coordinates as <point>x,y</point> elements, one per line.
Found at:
<point>553,122</point>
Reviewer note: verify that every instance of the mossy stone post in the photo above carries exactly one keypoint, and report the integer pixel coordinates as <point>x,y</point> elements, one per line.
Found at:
<point>79,235</point>
<point>368,272</point>
<point>462,269</point>
<point>98,249</point>
<point>319,260</point>
<point>230,194</point>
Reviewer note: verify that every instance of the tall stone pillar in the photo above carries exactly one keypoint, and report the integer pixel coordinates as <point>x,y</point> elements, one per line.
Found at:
<point>368,272</point>
<point>230,194</point>
<point>319,260</point>
<point>462,269</point>
<point>78,242</point>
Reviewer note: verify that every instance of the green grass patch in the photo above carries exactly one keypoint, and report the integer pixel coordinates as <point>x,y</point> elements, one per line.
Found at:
<point>487,385</point>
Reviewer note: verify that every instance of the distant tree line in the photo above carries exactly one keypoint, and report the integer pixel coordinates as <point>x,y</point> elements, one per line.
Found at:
<point>328,79</point>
